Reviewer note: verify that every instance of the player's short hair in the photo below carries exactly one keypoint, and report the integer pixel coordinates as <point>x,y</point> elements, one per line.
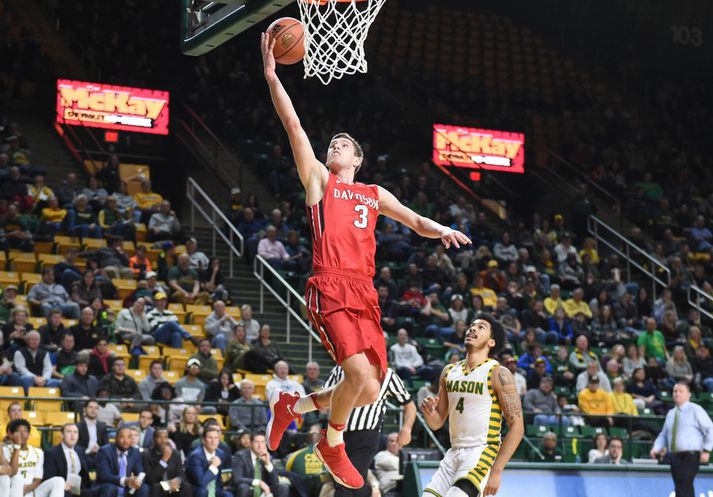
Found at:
<point>497,332</point>
<point>358,151</point>
<point>15,424</point>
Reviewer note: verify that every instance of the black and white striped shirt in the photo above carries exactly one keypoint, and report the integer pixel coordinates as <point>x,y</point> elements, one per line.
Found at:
<point>372,416</point>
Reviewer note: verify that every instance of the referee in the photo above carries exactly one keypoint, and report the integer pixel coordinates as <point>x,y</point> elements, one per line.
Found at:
<point>361,435</point>
<point>688,435</point>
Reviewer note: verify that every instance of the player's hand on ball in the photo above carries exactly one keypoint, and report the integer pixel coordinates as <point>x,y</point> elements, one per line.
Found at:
<point>428,406</point>
<point>267,44</point>
<point>493,484</point>
<point>455,238</point>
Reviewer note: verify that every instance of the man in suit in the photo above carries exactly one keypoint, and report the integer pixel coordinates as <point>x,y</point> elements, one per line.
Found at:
<point>204,464</point>
<point>253,468</point>
<point>119,468</point>
<point>615,451</point>
<point>163,467</point>
<point>145,430</point>
<point>68,459</point>
<point>92,432</point>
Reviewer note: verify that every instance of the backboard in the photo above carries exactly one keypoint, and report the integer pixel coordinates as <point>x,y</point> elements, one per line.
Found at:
<point>206,24</point>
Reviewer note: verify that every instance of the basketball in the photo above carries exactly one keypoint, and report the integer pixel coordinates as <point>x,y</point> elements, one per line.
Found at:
<point>289,47</point>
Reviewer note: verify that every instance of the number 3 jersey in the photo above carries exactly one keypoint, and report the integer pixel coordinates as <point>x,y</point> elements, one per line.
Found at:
<point>474,414</point>
<point>342,226</point>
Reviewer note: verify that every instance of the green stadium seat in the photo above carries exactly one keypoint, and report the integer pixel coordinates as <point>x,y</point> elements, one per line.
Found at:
<point>590,431</point>
<point>536,430</point>
<point>665,396</point>
<point>616,431</point>
<point>571,432</point>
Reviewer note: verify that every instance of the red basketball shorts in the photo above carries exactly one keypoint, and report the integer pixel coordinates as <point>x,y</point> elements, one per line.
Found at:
<point>344,309</point>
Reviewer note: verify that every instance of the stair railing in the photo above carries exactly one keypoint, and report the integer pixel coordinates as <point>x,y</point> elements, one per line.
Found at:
<point>202,203</point>
<point>698,298</point>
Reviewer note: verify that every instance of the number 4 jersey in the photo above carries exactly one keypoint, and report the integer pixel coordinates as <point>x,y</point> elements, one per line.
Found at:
<point>342,226</point>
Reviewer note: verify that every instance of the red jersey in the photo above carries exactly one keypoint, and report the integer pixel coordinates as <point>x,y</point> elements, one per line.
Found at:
<point>343,225</point>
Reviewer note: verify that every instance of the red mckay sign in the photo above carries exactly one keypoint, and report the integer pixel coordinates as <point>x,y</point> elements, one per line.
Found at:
<point>476,148</point>
<point>112,107</point>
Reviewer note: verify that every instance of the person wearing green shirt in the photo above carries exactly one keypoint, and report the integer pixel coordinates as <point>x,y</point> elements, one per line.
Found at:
<point>305,463</point>
<point>7,303</point>
<point>562,369</point>
<point>184,283</point>
<point>652,342</point>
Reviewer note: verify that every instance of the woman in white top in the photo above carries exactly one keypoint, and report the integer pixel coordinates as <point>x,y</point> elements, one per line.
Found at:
<point>601,441</point>
<point>632,360</point>
<point>132,326</point>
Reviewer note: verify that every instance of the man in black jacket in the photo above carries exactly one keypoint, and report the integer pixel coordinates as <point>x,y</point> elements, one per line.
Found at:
<point>120,385</point>
<point>253,467</point>
<point>68,458</point>
<point>163,468</point>
<point>92,433</point>
<point>79,384</point>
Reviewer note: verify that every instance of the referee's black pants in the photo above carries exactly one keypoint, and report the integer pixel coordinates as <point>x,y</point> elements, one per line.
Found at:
<point>361,447</point>
<point>684,467</point>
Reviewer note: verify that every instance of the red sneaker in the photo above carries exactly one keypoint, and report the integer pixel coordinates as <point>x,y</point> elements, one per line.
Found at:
<point>338,464</point>
<point>281,415</point>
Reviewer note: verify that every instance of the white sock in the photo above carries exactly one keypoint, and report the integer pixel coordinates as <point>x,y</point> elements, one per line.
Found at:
<point>334,434</point>
<point>305,404</point>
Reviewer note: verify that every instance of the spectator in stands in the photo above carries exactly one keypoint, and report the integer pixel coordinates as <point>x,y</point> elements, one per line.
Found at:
<point>14,233</point>
<point>678,368</point>
<point>219,325</point>
<point>96,195</point>
<point>39,192</point>
<point>436,316</point>
<point>300,257</point>
<point>605,330</point>
<point>51,333</point>
<point>112,221</point>
<point>493,278</point>
<point>81,220</point>
<point>701,236</point>
<point>406,360</point>
<point>184,283</point>
<point>85,290</point>
<point>581,356</point>
<point>121,386</point>
<point>52,216</point>
<point>543,403</point>
<point>504,250</point>
<point>143,428</point>
<point>234,212</point>
<point>14,189</point>
<point>534,352</point>
<point>593,370</point>
<point>7,304</point>
<point>204,464</point>
<point>281,381</point>
<point>622,400</point>
<point>600,444</point>
<point>560,324</point>
<point>643,391</point>
<point>112,259</point>
<point>549,451</point>
<point>596,404</point>
<point>252,326</point>
<point>554,300</point>
<point>33,366</point>
<point>615,450</point>
<point>65,356</point>
<point>118,467</point>
<point>68,191</point>
<point>85,333</point>
<point>100,360</point>
<point>164,324</point>
<point>562,369</point>
<point>536,373</point>
<point>271,249</point>
<point>703,367</point>
<point>250,228</point>
<point>386,463</point>
<point>520,382</point>
<point>147,201</point>
<point>152,380</point>
<point>576,304</point>
<point>264,346</point>
<point>15,330</point>
<point>652,342</point>
<point>126,203</point>
<point>140,263</point>
<point>67,460</point>
<point>312,382</point>
<point>212,281</point>
<point>694,342</point>
<point>93,433</point>
<point>164,469</point>
<point>385,279</point>
<point>626,314</point>
<point>247,412</point>
<point>66,272</point>
<point>236,349</point>
<point>48,295</point>
<point>253,471</point>
<point>79,383</point>
<point>164,225</point>
<point>188,430</point>
<point>222,390</point>
<point>508,318</point>
<point>199,261</point>
<point>133,327</point>
<point>208,364</point>
<point>565,248</point>
<point>190,388</point>
<point>109,173</point>
<point>632,360</point>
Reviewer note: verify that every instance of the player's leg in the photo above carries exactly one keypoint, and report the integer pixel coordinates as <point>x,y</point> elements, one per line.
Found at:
<point>443,479</point>
<point>463,488</point>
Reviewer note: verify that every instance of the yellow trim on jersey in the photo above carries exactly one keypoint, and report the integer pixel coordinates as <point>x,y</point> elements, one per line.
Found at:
<point>487,458</point>
<point>430,491</point>
<point>464,366</point>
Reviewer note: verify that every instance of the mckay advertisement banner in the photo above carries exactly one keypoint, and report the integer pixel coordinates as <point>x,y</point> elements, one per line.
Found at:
<point>476,148</point>
<point>112,107</point>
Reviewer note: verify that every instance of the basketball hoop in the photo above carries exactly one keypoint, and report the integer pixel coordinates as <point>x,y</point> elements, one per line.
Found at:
<point>335,32</point>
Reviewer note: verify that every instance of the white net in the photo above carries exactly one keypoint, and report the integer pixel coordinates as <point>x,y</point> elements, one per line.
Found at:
<point>335,32</point>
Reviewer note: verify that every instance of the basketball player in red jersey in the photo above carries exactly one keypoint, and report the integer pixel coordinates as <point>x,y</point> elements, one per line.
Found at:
<point>341,299</point>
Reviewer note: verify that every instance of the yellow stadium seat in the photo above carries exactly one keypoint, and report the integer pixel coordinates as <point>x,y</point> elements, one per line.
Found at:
<point>37,322</point>
<point>136,374</point>
<point>237,378</point>
<point>260,381</point>
<point>35,418</point>
<point>35,438</point>
<point>146,360</point>
<point>216,353</point>
<point>65,242</point>
<point>29,280</point>
<point>195,329</point>
<point>296,377</point>
<point>124,287</point>
<point>171,376</point>
<point>23,262</point>
<point>177,364</point>
<point>130,417</point>
<point>171,352</point>
<point>49,260</point>
<point>118,349</point>
<point>9,278</point>
<point>179,311</point>
<point>233,311</point>
<point>128,247</point>
<point>41,248</point>
<point>114,305</point>
<point>152,350</point>
<point>68,323</point>
<point>141,232</point>
<point>21,299</point>
<point>180,249</point>
<point>57,418</point>
<point>152,255</point>
<point>93,243</point>
<point>45,394</point>
<point>219,418</point>
<point>198,313</point>
<point>3,260</point>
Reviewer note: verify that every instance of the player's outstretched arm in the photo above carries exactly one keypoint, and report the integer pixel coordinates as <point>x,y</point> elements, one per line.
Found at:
<point>427,228</point>
<point>312,173</point>
<point>509,399</point>
<point>435,409</point>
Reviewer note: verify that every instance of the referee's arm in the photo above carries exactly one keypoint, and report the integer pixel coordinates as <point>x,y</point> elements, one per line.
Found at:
<point>409,418</point>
